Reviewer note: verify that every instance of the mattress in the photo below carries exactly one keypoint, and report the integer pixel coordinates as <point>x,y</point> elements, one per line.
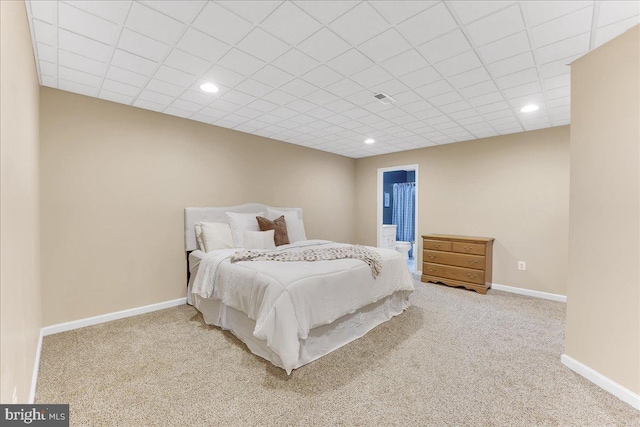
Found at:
<point>287,303</point>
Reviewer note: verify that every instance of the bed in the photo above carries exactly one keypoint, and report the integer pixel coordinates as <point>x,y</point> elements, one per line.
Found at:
<point>291,313</point>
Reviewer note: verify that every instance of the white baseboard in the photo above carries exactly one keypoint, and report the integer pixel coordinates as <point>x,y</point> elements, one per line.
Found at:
<point>76,324</point>
<point>529,292</point>
<point>601,381</point>
<point>36,368</point>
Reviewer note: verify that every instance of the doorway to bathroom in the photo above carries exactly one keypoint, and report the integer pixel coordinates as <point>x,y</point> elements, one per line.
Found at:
<point>398,210</point>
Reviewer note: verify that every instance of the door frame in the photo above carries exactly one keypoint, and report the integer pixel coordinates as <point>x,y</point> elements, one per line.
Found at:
<point>414,167</point>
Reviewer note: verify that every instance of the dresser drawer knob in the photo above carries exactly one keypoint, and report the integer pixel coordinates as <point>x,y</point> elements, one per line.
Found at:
<point>473,261</point>
<point>468,248</point>
<point>436,245</point>
<point>472,276</point>
<point>431,269</point>
<point>431,256</point>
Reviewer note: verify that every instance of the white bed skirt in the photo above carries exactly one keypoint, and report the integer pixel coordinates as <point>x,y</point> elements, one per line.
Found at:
<point>321,340</point>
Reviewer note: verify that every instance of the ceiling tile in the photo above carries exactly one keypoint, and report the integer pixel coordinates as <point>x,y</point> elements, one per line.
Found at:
<point>558,67</point>
<point>46,33</point>
<point>371,76</point>
<point>428,25</point>
<point>322,76</point>
<point>164,88</point>
<point>512,65</point>
<point>454,107</point>
<point>132,62</point>
<point>290,23</point>
<point>48,68</point>
<point>79,77</point>
<point>444,47</point>
<point>558,81</point>
<point>499,25</point>
<point>323,45</point>
<point>344,88</point>
<point>445,98</point>
<point>182,10</point>
<point>614,11</point>
<point>223,76</point>
<point>562,28</point>
<point>472,10</point>
<point>46,11</point>
<point>115,97</point>
<point>434,89</point>
<point>569,47</point>
<point>125,76</point>
<point>77,88</point>
<point>559,92</point>
<point>238,97</point>
<point>155,97</point>
<point>298,88</point>
<point>521,90</point>
<point>262,45</point>
<point>505,48</point>
<point>177,112</point>
<point>186,62</point>
<point>604,34</point>
<point>262,105</point>
<point>390,87</point>
<point>272,76</point>
<point>404,63</point>
<point>543,11</point>
<point>87,25</point>
<point>485,99</point>
<point>84,46</point>
<point>478,89</point>
<point>279,97</point>
<point>458,64</point>
<point>253,11</point>
<point>148,105</point>
<point>114,11</point>
<point>359,24</point>
<point>237,60</point>
<point>253,87</point>
<point>301,105</point>
<point>326,11</point>
<point>490,108</point>
<point>81,63</point>
<point>469,78</point>
<point>198,97</point>
<point>46,53</point>
<point>222,24</point>
<point>118,87</point>
<point>295,62</point>
<point>321,97</point>
<point>173,76</point>
<point>421,77</point>
<point>398,11</point>
<point>153,24</point>
<point>199,44</point>
<point>384,46</point>
<point>519,78</point>
<point>350,62</point>
<point>249,112</point>
<point>142,45</point>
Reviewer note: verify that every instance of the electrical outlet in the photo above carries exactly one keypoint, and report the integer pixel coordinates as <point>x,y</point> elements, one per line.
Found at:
<point>522,265</point>
<point>14,398</point>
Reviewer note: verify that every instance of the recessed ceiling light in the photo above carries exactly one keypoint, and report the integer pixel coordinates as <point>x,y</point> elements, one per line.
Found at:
<point>209,87</point>
<point>529,108</point>
<point>369,141</point>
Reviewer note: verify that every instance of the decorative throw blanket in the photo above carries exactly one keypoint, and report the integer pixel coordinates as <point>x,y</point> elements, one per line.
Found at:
<point>372,258</point>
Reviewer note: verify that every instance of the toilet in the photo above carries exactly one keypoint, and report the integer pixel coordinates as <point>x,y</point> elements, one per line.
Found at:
<point>403,248</point>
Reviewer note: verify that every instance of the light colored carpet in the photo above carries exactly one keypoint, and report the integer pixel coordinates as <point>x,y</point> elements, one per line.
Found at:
<point>454,358</point>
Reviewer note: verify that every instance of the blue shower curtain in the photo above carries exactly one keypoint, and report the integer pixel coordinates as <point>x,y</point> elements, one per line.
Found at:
<point>403,215</point>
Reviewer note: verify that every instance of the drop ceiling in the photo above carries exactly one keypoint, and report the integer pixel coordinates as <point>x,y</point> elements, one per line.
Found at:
<point>306,72</point>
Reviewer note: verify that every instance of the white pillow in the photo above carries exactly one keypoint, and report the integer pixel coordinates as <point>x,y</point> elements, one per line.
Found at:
<point>259,239</point>
<point>214,235</point>
<point>241,222</point>
<point>295,226</point>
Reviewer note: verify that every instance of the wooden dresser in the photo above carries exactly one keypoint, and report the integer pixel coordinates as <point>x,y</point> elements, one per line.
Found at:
<point>458,261</point>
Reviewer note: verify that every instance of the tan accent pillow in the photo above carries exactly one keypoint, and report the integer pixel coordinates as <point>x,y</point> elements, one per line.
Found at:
<point>279,226</point>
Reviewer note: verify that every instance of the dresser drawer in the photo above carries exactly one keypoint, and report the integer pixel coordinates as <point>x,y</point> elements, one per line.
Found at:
<point>457,273</point>
<point>469,248</point>
<point>452,258</point>
<point>437,245</point>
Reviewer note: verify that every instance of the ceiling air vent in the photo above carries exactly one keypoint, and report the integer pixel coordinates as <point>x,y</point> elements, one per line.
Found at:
<point>384,98</point>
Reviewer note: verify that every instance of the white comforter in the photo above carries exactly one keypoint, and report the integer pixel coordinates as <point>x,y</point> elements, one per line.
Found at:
<point>287,299</point>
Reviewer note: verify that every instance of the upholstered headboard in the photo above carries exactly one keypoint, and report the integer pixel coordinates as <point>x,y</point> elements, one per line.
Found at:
<point>192,216</point>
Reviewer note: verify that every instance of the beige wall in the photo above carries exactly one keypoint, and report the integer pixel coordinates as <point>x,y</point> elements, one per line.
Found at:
<point>19,226</point>
<point>116,179</point>
<point>603,310</point>
<point>514,188</point>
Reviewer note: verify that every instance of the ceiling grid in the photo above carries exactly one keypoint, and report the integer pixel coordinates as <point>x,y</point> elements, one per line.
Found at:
<point>305,72</point>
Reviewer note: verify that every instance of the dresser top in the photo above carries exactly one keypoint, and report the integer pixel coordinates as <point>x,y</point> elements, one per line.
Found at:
<point>457,238</point>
